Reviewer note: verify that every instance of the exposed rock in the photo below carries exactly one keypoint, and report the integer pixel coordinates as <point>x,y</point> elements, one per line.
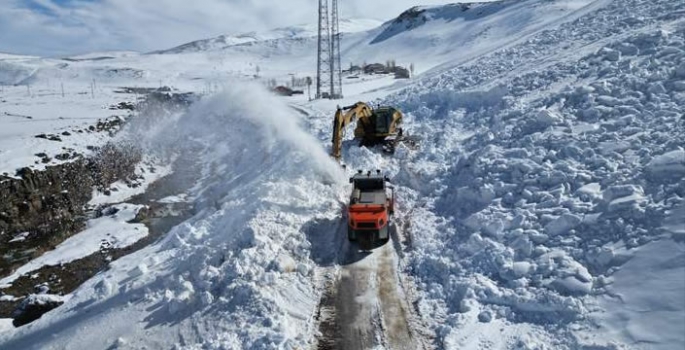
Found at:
<point>50,203</point>
<point>49,206</point>
<point>123,106</point>
<point>34,306</point>
<point>63,156</point>
<point>50,137</point>
<point>485,317</point>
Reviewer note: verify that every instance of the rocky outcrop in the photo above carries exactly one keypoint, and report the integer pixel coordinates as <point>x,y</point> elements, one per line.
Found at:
<point>34,306</point>
<point>49,205</point>
<point>41,209</point>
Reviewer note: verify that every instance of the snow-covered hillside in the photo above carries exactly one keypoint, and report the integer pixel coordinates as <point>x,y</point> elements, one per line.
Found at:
<point>544,208</point>
<point>455,33</point>
<point>546,167</point>
<point>301,32</point>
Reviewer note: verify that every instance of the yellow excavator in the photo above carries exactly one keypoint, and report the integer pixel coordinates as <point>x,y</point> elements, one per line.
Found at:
<point>374,126</point>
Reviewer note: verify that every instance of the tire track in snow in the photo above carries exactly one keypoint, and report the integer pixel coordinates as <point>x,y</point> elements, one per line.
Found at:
<point>393,308</point>
<point>364,306</point>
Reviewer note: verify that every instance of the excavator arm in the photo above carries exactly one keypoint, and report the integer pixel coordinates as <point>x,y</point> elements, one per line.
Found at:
<point>374,126</point>
<point>345,116</point>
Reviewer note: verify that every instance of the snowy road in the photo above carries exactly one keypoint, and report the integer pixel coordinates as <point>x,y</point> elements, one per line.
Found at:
<point>364,306</point>
<point>549,182</point>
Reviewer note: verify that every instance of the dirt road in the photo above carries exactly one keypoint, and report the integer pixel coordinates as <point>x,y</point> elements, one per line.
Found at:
<point>364,306</point>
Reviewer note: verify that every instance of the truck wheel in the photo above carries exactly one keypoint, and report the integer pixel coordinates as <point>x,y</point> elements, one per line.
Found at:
<point>351,235</point>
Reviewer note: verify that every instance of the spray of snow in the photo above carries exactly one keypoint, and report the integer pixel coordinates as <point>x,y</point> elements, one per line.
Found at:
<point>241,118</point>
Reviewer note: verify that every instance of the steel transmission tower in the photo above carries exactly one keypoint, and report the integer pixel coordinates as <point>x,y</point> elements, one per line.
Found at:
<point>324,57</point>
<point>328,70</point>
<point>336,68</point>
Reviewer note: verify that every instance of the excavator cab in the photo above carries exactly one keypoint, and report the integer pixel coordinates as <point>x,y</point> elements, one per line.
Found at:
<point>370,209</point>
<point>387,119</point>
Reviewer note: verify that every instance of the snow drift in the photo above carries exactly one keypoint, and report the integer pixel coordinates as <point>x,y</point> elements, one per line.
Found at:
<point>560,173</point>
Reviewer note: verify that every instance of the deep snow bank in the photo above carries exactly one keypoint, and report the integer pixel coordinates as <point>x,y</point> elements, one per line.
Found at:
<point>236,275</point>
<point>543,167</point>
<point>652,283</point>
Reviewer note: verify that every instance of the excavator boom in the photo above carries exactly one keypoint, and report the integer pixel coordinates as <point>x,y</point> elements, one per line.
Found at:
<point>359,112</point>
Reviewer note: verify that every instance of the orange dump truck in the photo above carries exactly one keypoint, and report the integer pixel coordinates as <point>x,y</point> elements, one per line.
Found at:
<point>370,209</point>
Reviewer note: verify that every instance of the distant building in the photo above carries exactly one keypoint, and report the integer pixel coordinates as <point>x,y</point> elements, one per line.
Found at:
<point>375,68</point>
<point>286,91</point>
<point>401,73</point>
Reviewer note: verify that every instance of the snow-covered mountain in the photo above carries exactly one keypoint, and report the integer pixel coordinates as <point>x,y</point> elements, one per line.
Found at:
<point>9,57</point>
<point>425,36</point>
<point>307,31</point>
<point>103,55</point>
<point>542,210</point>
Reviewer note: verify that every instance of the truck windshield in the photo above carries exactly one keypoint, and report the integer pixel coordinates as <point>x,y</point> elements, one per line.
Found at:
<point>369,184</point>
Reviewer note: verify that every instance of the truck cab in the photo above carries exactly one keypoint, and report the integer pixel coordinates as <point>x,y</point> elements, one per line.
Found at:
<point>370,209</point>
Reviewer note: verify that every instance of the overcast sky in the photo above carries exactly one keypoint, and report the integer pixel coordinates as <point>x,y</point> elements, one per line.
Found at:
<point>61,27</point>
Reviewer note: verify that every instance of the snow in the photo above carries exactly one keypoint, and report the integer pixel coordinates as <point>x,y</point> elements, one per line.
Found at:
<point>25,115</point>
<point>181,198</point>
<point>305,31</point>
<point>7,56</point>
<point>670,164</point>
<point>42,299</point>
<point>6,325</point>
<point>110,231</point>
<point>675,222</point>
<point>544,204</point>
<point>645,304</point>
<point>522,216</point>
<point>562,224</point>
<point>104,55</point>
